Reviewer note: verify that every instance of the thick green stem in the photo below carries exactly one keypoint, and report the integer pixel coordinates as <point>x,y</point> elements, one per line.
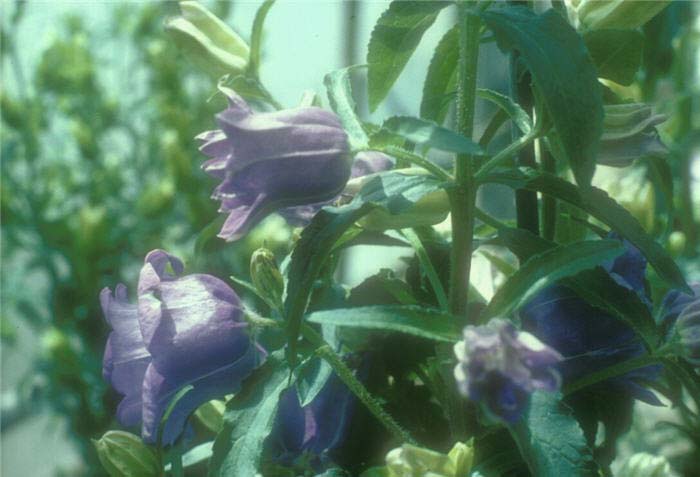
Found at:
<point>326,352</point>
<point>463,194</point>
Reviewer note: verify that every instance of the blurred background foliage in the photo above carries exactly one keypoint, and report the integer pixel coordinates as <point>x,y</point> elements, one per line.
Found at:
<point>99,166</point>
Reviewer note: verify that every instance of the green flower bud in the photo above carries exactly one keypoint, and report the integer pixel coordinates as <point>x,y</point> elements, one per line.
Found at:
<point>676,243</point>
<point>645,465</point>
<point>208,41</point>
<point>123,454</point>
<point>266,276</point>
<point>211,414</point>
<point>412,461</point>
<point>617,14</point>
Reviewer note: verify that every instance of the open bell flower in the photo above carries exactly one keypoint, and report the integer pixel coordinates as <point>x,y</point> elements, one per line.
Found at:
<point>588,337</point>
<point>273,160</point>
<point>500,366</point>
<point>184,330</point>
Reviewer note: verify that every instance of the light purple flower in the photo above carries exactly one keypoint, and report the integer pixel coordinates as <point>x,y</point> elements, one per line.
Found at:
<point>183,330</point>
<point>269,161</point>
<point>500,367</point>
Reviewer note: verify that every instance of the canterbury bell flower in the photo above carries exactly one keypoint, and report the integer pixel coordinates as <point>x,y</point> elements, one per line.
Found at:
<point>273,160</point>
<point>500,366</point>
<point>184,330</point>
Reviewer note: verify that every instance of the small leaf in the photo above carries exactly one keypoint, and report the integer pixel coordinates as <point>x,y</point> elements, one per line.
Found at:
<point>597,203</point>
<point>545,269</point>
<point>340,98</point>
<point>617,54</point>
<point>248,421</point>
<point>394,39</point>
<point>256,37</point>
<point>551,441</point>
<point>413,320</point>
<point>564,74</point>
<point>517,114</point>
<point>441,79</point>
<point>429,134</point>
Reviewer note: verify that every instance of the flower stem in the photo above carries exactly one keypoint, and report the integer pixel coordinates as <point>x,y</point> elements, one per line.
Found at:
<point>463,194</point>
<point>326,352</point>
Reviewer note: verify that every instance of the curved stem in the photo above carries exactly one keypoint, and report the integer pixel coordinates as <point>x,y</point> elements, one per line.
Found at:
<point>413,158</point>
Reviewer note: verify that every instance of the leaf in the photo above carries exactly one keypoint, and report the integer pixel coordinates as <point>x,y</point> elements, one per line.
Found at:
<point>597,203</point>
<point>551,441</point>
<point>430,134</point>
<point>413,320</point>
<point>315,373</point>
<point>256,37</point>
<point>517,114</point>
<point>564,74</point>
<point>441,79</point>
<point>546,268</point>
<point>392,190</point>
<point>248,421</point>
<point>394,39</point>
<point>617,54</point>
<point>339,92</point>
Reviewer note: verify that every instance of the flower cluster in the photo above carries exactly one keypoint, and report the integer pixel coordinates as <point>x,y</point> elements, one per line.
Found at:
<point>500,367</point>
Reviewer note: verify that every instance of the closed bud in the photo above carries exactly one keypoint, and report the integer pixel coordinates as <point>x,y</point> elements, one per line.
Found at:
<point>208,41</point>
<point>266,276</point>
<point>413,461</point>
<point>123,454</point>
<point>617,14</point>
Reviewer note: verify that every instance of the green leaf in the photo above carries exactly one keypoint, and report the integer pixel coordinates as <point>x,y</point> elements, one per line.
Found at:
<point>248,421</point>
<point>169,410</point>
<point>441,79</point>
<point>551,441</point>
<point>597,203</point>
<point>564,74</point>
<point>340,98</point>
<point>546,268</point>
<point>392,190</point>
<point>256,38</point>
<point>394,39</point>
<point>413,320</point>
<point>315,372</point>
<point>517,114</point>
<point>596,286</point>
<point>429,134</point>
<point>617,54</point>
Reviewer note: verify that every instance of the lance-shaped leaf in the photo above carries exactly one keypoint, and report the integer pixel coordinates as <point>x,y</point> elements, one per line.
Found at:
<point>248,421</point>
<point>617,54</point>
<point>551,441</point>
<point>429,134</point>
<point>340,98</point>
<point>413,320</point>
<point>564,74</point>
<point>545,269</point>
<point>394,39</point>
<point>441,79</point>
<point>597,203</point>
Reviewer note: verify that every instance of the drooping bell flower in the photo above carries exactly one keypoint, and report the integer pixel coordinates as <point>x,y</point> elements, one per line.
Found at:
<point>311,432</point>
<point>270,161</point>
<point>184,330</point>
<point>500,366</point>
<point>589,338</point>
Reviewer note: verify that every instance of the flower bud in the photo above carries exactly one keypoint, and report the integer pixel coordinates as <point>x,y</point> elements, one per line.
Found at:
<point>211,414</point>
<point>629,133</point>
<point>208,41</point>
<point>413,461</point>
<point>123,454</point>
<point>266,276</point>
<point>617,14</point>
<point>645,465</point>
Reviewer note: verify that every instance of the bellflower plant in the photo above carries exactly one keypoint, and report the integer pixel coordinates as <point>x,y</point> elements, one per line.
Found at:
<point>269,161</point>
<point>184,330</point>
<point>500,367</point>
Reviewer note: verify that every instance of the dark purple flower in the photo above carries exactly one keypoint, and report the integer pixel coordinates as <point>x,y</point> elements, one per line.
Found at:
<point>316,429</point>
<point>269,161</point>
<point>184,330</point>
<point>589,338</point>
<point>500,367</point>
